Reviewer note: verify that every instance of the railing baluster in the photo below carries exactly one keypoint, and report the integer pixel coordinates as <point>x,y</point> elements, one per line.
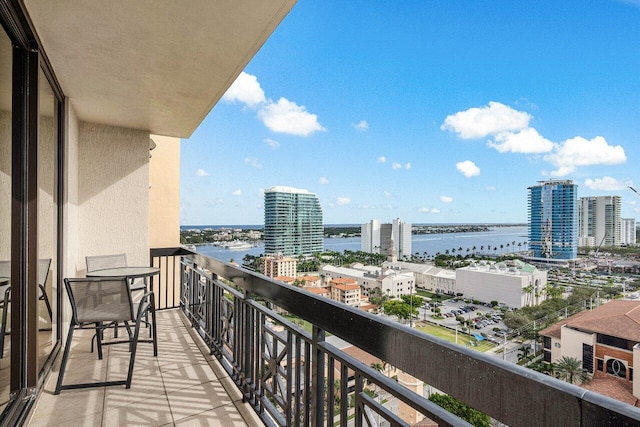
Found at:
<point>301,367</point>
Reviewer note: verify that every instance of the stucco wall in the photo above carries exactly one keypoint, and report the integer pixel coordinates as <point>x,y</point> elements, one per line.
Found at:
<point>572,341</point>
<point>488,286</point>
<point>113,193</point>
<point>5,185</point>
<point>164,192</point>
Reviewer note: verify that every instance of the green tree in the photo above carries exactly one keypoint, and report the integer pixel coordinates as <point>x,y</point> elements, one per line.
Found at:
<point>570,370</point>
<point>467,413</point>
<point>397,308</point>
<point>524,353</point>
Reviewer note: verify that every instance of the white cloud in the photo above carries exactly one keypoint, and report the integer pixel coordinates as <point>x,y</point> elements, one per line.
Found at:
<point>361,126</point>
<point>605,183</point>
<point>396,166</point>
<point>245,89</point>
<point>288,117</point>
<point>387,206</point>
<point>429,210</point>
<point>253,162</point>
<point>446,199</point>
<point>526,141</point>
<point>323,180</point>
<point>468,168</point>
<point>407,166</point>
<point>238,192</point>
<point>202,172</point>
<point>388,194</point>
<point>261,192</point>
<point>342,201</point>
<point>489,188</point>
<point>579,151</point>
<point>381,159</point>
<point>271,143</point>
<point>488,120</point>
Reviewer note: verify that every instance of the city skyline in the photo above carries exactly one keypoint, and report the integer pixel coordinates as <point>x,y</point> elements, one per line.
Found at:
<point>435,113</point>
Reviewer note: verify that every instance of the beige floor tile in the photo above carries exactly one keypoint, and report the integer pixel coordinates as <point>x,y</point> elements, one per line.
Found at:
<point>197,399</point>
<point>225,416</point>
<point>150,412</point>
<point>68,406</point>
<point>145,385</point>
<point>177,379</point>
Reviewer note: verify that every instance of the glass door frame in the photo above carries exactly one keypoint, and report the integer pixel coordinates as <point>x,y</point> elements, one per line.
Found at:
<point>27,378</point>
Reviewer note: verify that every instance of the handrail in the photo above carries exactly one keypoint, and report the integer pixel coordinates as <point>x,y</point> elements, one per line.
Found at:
<point>507,392</point>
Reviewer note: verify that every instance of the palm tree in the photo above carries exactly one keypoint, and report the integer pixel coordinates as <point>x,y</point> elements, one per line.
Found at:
<point>481,248</point>
<point>570,370</point>
<point>501,246</point>
<point>508,247</point>
<point>524,353</point>
<point>529,291</point>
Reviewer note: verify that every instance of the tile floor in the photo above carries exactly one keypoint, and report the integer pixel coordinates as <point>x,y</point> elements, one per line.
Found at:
<point>181,387</point>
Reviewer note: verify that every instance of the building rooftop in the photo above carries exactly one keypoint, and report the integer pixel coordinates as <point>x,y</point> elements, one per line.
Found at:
<point>618,318</point>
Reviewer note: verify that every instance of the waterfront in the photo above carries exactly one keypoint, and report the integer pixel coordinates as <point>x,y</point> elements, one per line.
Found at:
<point>429,243</point>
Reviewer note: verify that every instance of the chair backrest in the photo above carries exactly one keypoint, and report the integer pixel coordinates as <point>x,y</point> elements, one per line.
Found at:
<point>100,299</point>
<point>43,270</point>
<point>5,268</point>
<point>100,262</point>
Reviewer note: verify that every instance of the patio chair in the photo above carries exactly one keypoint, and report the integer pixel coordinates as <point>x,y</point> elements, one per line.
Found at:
<point>5,294</point>
<point>100,262</point>
<point>99,304</point>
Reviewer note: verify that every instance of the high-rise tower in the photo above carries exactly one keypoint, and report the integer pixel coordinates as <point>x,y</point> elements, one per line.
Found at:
<point>292,222</point>
<point>379,238</point>
<point>553,220</point>
<point>599,217</point>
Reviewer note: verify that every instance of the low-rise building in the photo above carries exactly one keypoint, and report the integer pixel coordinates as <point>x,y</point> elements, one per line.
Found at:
<point>607,342</point>
<point>278,265</point>
<point>346,291</point>
<point>514,283</point>
<point>428,277</point>
<point>374,280</point>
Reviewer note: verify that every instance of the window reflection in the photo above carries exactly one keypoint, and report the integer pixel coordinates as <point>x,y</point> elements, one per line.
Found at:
<point>47,219</point>
<point>5,213</point>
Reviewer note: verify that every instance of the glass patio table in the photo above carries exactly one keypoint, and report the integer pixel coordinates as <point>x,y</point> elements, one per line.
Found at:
<point>131,272</point>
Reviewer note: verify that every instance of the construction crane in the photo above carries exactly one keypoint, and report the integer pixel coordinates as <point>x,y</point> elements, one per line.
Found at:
<point>634,190</point>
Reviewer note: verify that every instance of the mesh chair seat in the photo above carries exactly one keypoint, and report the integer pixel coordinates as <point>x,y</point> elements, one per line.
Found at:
<point>99,303</point>
<point>5,294</point>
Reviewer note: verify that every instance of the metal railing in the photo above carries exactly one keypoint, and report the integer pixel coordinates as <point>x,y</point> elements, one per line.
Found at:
<point>293,377</point>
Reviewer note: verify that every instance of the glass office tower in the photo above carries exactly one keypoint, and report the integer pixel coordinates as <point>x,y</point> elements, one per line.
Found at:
<point>292,222</point>
<point>553,220</point>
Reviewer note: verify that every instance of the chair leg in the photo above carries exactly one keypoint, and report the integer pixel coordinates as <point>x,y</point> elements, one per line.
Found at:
<point>63,364</point>
<point>99,330</point>
<point>45,298</point>
<point>133,348</point>
<point>3,326</point>
<point>154,330</point>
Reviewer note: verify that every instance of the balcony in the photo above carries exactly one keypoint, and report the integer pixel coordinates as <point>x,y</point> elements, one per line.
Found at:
<point>270,371</point>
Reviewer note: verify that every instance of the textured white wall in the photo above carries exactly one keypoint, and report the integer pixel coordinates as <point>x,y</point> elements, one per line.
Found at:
<point>113,193</point>
<point>164,192</point>
<point>572,341</point>
<point>5,185</point>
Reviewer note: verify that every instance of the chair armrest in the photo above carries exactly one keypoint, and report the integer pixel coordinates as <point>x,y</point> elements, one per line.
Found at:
<point>147,301</point>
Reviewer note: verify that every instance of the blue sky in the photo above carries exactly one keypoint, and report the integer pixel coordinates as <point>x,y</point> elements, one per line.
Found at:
<point>430,111</point>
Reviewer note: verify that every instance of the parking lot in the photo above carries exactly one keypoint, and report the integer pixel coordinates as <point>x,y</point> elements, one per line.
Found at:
<point>484,319</point>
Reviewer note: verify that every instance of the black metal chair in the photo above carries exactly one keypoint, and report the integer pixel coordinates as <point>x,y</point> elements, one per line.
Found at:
<point>99,304</point>
<point>5,294</point>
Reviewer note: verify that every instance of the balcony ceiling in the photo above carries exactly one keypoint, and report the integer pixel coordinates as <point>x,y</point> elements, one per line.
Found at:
<point>157,65</point>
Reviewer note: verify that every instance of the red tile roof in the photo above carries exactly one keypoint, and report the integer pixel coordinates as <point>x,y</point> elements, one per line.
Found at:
<point>618,318</point>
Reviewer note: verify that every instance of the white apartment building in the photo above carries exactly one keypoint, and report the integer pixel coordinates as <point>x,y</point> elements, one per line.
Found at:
<point>279,265</point>
<point>379,238</point>
<point>387,281</point>
<point>599,217</point>
<point>428,277</point>
<point>346,291</point>
<point>628,231</point>
<point>513,283</point>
